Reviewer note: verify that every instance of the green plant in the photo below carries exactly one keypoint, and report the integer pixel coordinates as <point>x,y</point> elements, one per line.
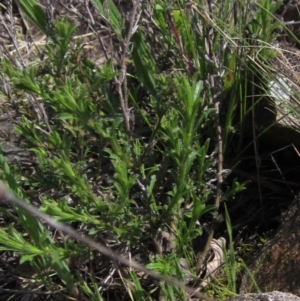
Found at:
<point>131,152</point>
<point>230,260</point>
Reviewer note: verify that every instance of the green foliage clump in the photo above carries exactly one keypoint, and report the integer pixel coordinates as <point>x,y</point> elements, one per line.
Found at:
<point>130,151</point>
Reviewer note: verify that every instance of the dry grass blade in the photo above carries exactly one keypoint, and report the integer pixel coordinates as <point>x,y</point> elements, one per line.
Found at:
<point>217,261</point>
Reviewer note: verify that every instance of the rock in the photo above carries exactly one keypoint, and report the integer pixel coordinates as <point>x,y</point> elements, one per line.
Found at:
<point>277,265</point>
<point>277,112</point>
<point>271,296</point>
<point>287,70</point>
<point>11,142</point>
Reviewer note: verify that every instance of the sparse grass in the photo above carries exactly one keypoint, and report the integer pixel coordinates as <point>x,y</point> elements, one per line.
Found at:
<point>131,152</point>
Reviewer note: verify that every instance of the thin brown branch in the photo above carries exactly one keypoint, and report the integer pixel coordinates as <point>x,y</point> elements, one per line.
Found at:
<point>187,61</point>
<point>219,150</point>
<point>121,81</point>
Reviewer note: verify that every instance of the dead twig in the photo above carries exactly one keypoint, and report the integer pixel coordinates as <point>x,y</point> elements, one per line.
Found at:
<point>121,80</point>
<point>219,151</point>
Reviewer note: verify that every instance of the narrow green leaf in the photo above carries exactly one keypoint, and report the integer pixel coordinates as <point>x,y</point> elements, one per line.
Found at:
<point>198,88</point>
<point>35,13</point>
<point>143,62</point>
<point>66,116</point>
<point>110,12</point>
